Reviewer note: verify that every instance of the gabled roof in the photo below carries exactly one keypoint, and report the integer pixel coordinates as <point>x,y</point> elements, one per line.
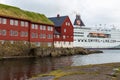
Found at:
<point>58,21</point>
<point>14,12</point>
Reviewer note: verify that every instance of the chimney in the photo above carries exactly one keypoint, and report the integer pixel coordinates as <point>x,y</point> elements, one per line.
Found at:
<point>58,15</point>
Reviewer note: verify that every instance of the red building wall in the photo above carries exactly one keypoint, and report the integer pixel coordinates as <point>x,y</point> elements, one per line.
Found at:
<point>39,31</point>
<point>19,28</point>
<point>9,27</point>
<point>68,34</point>
<point>69,30</point>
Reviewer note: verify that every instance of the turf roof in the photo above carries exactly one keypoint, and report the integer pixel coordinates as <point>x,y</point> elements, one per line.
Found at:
<point>15,12</point>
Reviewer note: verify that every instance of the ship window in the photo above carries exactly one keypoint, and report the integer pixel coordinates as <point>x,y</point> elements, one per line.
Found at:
<point>85,40</point>
<point>82,40</point>
<point>78,40</point>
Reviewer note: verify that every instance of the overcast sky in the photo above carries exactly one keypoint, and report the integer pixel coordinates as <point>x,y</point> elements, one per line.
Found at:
<point>93,12</point>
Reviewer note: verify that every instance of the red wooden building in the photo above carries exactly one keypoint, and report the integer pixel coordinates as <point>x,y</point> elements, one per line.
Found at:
<point>21,25</point>
<point>63,33</point>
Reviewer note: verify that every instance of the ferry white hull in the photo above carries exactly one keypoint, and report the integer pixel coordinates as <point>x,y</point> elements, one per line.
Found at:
<point>98,37</point>
<point>96,45</point>
<point>81,39</point>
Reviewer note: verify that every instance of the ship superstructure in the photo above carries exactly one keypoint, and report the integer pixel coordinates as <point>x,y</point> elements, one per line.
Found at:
<point>89,37</point>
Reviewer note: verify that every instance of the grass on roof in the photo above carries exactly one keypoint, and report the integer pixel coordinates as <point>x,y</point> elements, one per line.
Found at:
<point>15,12</point>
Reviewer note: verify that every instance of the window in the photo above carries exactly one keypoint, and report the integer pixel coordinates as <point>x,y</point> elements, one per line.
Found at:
<point>64,30</point>
<point>64,36</point>
<point>41,35</point>
<point>50,36</point>
<point>36,26</point>
<point>67,23</point>
<point>24,24</point>
<point>40,27</point>
<point>32,26</point>
<point>13,33</point>
<point>57,36</point>
<point>13,22</point>
<point>16,22</point>
<point>34,35</point>
<point>44,27</point>
<point>44,35</point>
<point>49,44</point>
<point>37,43</point>
<point>3,20</point>
<point>3,32</point>
<point>50,28</point>
<point>24,34</point>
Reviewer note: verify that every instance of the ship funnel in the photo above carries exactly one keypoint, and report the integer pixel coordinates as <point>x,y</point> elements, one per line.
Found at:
<point>78,21</point>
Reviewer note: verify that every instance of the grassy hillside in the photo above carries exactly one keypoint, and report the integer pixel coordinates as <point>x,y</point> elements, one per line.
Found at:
<point>15,12</point>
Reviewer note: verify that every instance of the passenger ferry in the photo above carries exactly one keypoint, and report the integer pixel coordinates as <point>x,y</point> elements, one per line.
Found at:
<point>89,37</point>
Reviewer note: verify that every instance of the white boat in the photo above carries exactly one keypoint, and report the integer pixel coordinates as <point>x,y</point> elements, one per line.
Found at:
<point>89,37</point>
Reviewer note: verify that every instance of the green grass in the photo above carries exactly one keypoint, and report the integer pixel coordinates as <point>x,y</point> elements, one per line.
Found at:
<point>15,12</point>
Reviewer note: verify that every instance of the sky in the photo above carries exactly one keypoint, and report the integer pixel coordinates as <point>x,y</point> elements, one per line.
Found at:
<point>93,12</point>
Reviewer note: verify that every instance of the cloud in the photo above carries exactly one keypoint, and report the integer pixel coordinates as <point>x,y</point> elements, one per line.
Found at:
<point>92,11</point>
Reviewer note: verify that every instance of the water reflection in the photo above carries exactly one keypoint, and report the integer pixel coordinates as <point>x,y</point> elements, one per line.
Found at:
<point>22,69</point>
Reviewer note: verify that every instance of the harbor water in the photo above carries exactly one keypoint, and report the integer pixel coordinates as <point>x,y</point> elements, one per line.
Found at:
<point>22,69</point>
